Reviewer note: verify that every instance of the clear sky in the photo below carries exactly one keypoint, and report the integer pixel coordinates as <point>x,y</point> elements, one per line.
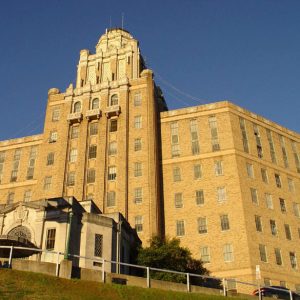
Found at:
<point>239,50</point>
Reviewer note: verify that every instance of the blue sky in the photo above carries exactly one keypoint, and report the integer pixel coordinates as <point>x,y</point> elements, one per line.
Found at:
<point>244,51</point>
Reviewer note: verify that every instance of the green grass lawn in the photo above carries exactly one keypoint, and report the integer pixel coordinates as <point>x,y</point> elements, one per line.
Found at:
<point>26,285</point>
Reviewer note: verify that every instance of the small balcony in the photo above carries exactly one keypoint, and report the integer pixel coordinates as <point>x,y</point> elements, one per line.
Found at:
<point>113,110</point>
<point>93,114</point>
<point>75,117</point>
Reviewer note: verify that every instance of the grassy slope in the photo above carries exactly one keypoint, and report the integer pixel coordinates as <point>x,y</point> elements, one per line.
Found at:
<point>26,285</point>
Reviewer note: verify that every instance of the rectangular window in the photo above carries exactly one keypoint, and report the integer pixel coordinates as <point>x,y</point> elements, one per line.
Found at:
<point>137,169</point>
<point>73,155</point>
<point>273,227</point>
<point>50,159</point>
<point>282,205</point>
<point>98,245</point>
<point>112,173</point>
<point>113,126</point>
<point>269,201</point>
<point>16,163</point>
<point>212,122</point>
<point>137,122</point>
<point>2,159</point>
<point>30,173</point>
<point>205,254</point>
<point>277,180</point>
<point>27,196</point>
<point>271,145</point>
<point>250,171</point>
<point>93,151</point>
<point>112,148</point>
<point>50,241</point>
<point>291,185</point>
<point>137,144</point>
<point>254,196</point>
<point>180,228</point>
<point>267,281</point>
<point>194,137</point>
<point>221,194</point>
<point>293,260</point>
<point>264,175</point>
<point>94,128</point>
<point>176,174</point>
<point>175,140</point>
<point>224,222</point>
<point>284,152</point>
<point>178,200</point>
<point>287,230</point>
<point>138,195</point>
<point>10,198</point>
<point>263,253</point>
<point>202,225</point>
<point>91,174</point>
<point>111,198</point>
<point>258,223</point>
<point>258,141</point>
<point>297,288</point>
<point>137,100</point>
<point>55,114</point>
<point>71,179</point>
<point>53,137</point>
<point>296,156</point>
<point>197,171</point>
<point>74,132</point>
<point>138,220</point>
<point>199,197</point>
<point>296,208</point>
<point>228,252</point>
<point>244,135</point>
<point>278,256</point>
<point>218,168</point>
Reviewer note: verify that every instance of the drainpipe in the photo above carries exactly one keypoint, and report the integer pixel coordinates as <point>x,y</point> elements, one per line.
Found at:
<point>70,216</point>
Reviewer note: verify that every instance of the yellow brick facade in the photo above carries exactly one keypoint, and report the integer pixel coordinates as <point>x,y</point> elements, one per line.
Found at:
<point>180,173</point>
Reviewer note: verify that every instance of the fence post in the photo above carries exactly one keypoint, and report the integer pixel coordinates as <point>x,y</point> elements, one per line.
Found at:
<point>224,287</point>
<point>148,277</point>
<point>10,255</point>
<point>188,282</point>
<point>291,295</point>
<point>103,270</point>
<point>57,264</point>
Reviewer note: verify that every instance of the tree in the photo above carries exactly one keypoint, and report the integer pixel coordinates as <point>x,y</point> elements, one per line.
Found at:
<point>164,253</point>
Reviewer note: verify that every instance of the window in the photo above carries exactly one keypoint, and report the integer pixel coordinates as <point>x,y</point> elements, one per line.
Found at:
<point>47,183</point>
<point>282,284</point>
<point>50,159</point>
<point>137,100</point>
<point>114,100</point>
<point>299,233</point>
<point>291,185</point>
<point>137,144</point>
<point>254,196</point>
<point>176,174</point>
<point>30,173</point>
<point>267,281</point>
<point>27,196</point>
<point>287,230</point>
<point>202,225</point>
<point>178,200</point>
<point>94,128</point>
<point>271,145</point>
<point>71,179</point>
<point>228,252</point>
<point>112,173</point>
<point>14,176</point>
<point>2,159</point>
<point>194,137</point>
<point>74,132</point>
<point>137,169</point>
<point>297,288</point>
<point>296,208</point>
<point>138,195</point>
<point>111,199</point>
<point>77,107</point>
<point>95,103</point>
<point>218,168</point>
<point>262,253</point>
<point>93,151</point>
<point>50,241</point>
<point>53,137</point>
<point>284,152</point>
<point>277,180</point>
<point>250,171</point>
<point>224,222</point>
<point>138,122</point>
<point>244,135</point>
<point>273,227</point>
<point>264,175</point>
<point>174,139</point>
<point>258,223</point>
<point>180,228</point>
<point>258,141</point>
<point>199,197</point>
<point>55,114</point>
<point>282,205</point>
<point>278,256</point>
<point>16,163</point>
<point>112,148</point>
<point>113,127</point>
<point>91,174</point>
<point>31,163</point>
<point>293,260</point>
<point>205,254</point>
<point>10,198</point>
<point>221,194</point>
<point>138,220</point>
<point>17,154</point>
<point>73,155</point>
<point>296,156</point>
<point>197,171</point>
<point>98,245</point>
<point>212,122</point>
<point>269,201</point>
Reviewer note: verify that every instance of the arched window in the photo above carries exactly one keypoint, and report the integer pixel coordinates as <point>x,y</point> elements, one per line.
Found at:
<point>95,103</point>
<point>77,106</point>
<point>114,100</point>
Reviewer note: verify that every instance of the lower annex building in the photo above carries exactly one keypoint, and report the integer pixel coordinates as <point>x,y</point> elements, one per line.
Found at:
<point>222,179</point>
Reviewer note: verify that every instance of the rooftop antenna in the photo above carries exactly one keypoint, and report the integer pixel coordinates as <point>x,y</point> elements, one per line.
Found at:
<point>122,21</point>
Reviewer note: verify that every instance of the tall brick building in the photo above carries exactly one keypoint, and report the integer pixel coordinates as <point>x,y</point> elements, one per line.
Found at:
<point>224,180</point>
